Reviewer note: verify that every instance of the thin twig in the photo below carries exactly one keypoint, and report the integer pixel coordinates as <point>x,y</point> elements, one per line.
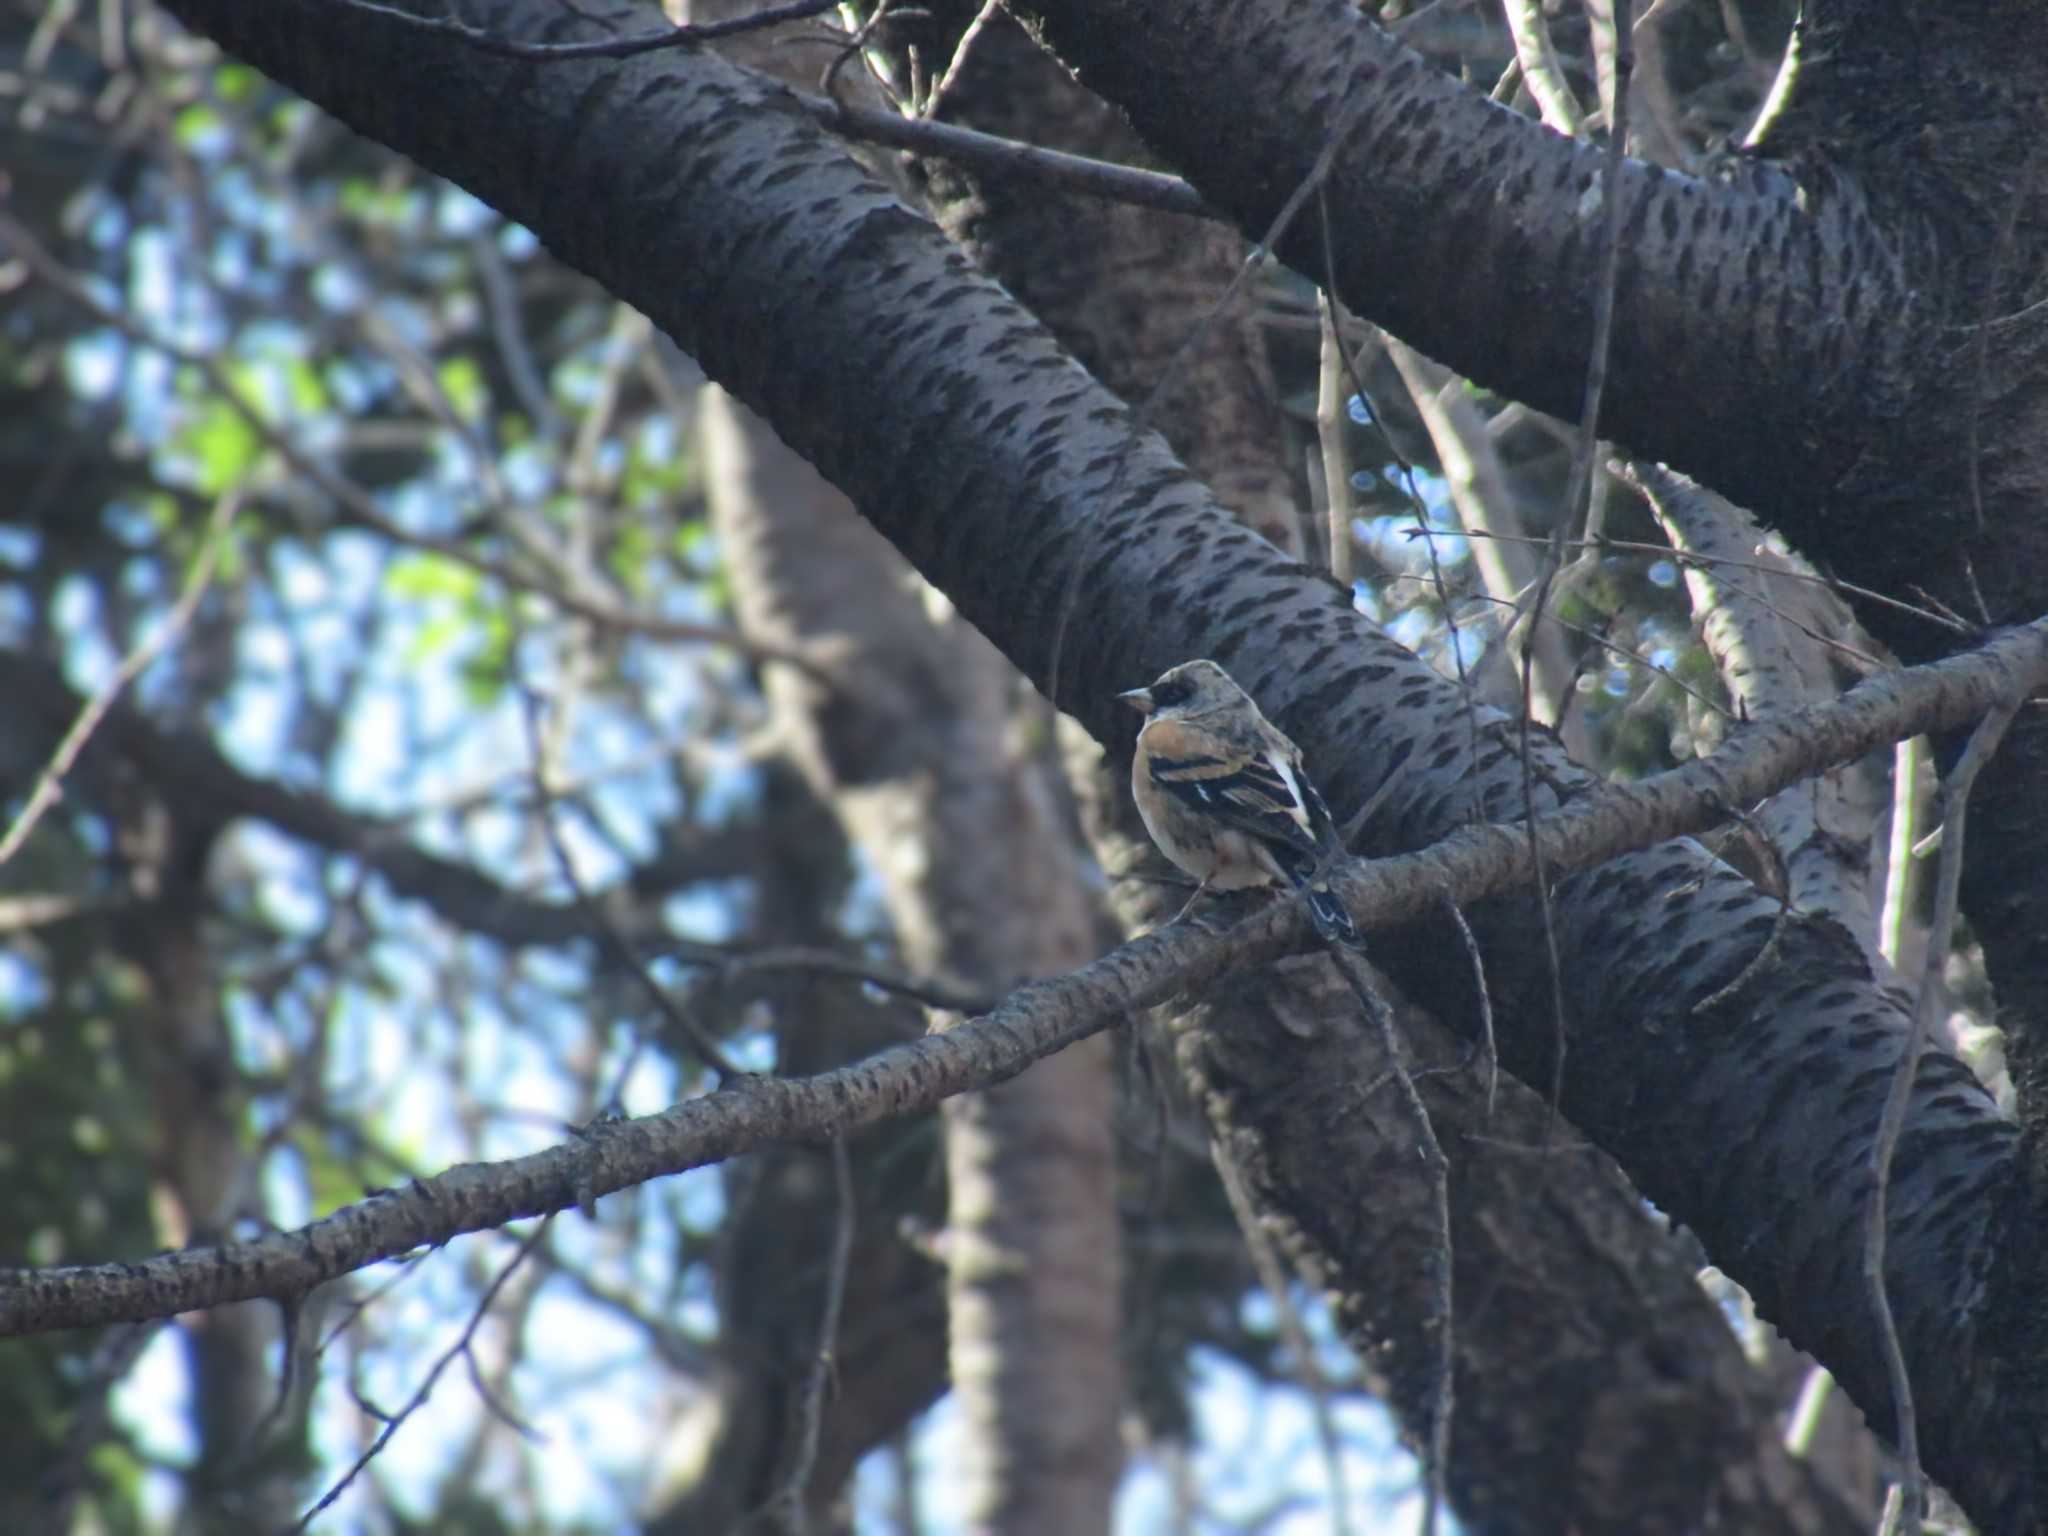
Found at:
<point>1899,884</point>
<point>1803,1423</point>
<point>852,45</point>
<point>50,786</point>
<point>1600,640</point>
<point>1333,424</point>
<point>1455,641</point>
<point>1489,1051</point>
<point>1146,411</point>
<point>1980,362</point>
<point>1560,1034</point>
<point>357,505</point>
<point>515,348</point>
<point>786,1508</point>
<point>994,155</point>
<point>1610,265</point>
<point>1575,493</point>
<point>603,614</point>
<point>1541,68</point>
<point>426,1387</point>
<point>1476,479</point>
<point>608,936</point>
<point>935,98</point>
<point>933,992</point>
<point>1947,621</point>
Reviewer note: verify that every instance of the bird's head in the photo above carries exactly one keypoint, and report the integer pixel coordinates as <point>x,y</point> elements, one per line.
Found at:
<point>1192,688</point>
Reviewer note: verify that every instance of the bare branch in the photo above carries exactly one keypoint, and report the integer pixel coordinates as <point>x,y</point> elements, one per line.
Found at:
<point>190,767</point>
<point>608,934</point>
<point>787,1507</point>
<point>1775,642</point>
<point>1541,67</point>
<point>50,786</point>
<point>356,504</point>
<point>1437,1169</point>
<point>426,1387</point>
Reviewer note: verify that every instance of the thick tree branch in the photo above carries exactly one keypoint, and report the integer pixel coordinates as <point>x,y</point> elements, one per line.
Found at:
<point>1728,282</point>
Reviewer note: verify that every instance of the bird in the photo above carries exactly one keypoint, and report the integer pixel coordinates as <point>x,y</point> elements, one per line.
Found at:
<point>1224,795</point>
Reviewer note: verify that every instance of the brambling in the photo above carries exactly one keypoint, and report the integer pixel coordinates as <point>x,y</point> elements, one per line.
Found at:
<point>1224,795</point>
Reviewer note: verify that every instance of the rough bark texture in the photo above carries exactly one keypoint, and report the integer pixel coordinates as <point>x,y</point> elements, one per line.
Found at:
<point>1005,474</point>
<point>1472,233</point>
<point>1778,640</point>
<point>1148,303</point>
<point>1586,1349</point>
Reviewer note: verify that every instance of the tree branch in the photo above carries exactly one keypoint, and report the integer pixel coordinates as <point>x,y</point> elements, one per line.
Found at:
<point>186,767</point>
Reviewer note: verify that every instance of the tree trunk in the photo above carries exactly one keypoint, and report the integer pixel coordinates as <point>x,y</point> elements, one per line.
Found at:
<point>918,744</point>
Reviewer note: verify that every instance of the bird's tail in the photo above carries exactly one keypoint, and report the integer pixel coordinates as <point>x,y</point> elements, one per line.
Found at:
<point>1328,913</point>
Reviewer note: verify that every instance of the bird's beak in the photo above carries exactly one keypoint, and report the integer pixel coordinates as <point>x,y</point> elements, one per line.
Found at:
<point>1139,699</point>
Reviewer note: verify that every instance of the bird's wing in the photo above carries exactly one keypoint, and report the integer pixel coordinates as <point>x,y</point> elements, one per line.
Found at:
<point>1262,792</point>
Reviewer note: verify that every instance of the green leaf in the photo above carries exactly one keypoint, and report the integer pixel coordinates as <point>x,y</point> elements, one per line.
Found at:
<point>332,1180</point>
<point>427,577</point>
<point>237,82</point>
<point>223,444</point>
<point>307,390</point>
<point>463,382</point>
<point>440,633</point>
<point>197,126</point>
<point>631,557</point>
<point>488,668</point>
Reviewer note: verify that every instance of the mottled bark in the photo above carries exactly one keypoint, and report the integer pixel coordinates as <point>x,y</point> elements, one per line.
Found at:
<point>1157,307</point>
<point>1587,1353</point>
<point>1776,319</point>
<point>938,787</point>
<point>1781,640</point>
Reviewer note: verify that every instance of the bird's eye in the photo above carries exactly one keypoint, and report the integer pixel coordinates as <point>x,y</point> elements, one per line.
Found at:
<point>1171,693</point>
